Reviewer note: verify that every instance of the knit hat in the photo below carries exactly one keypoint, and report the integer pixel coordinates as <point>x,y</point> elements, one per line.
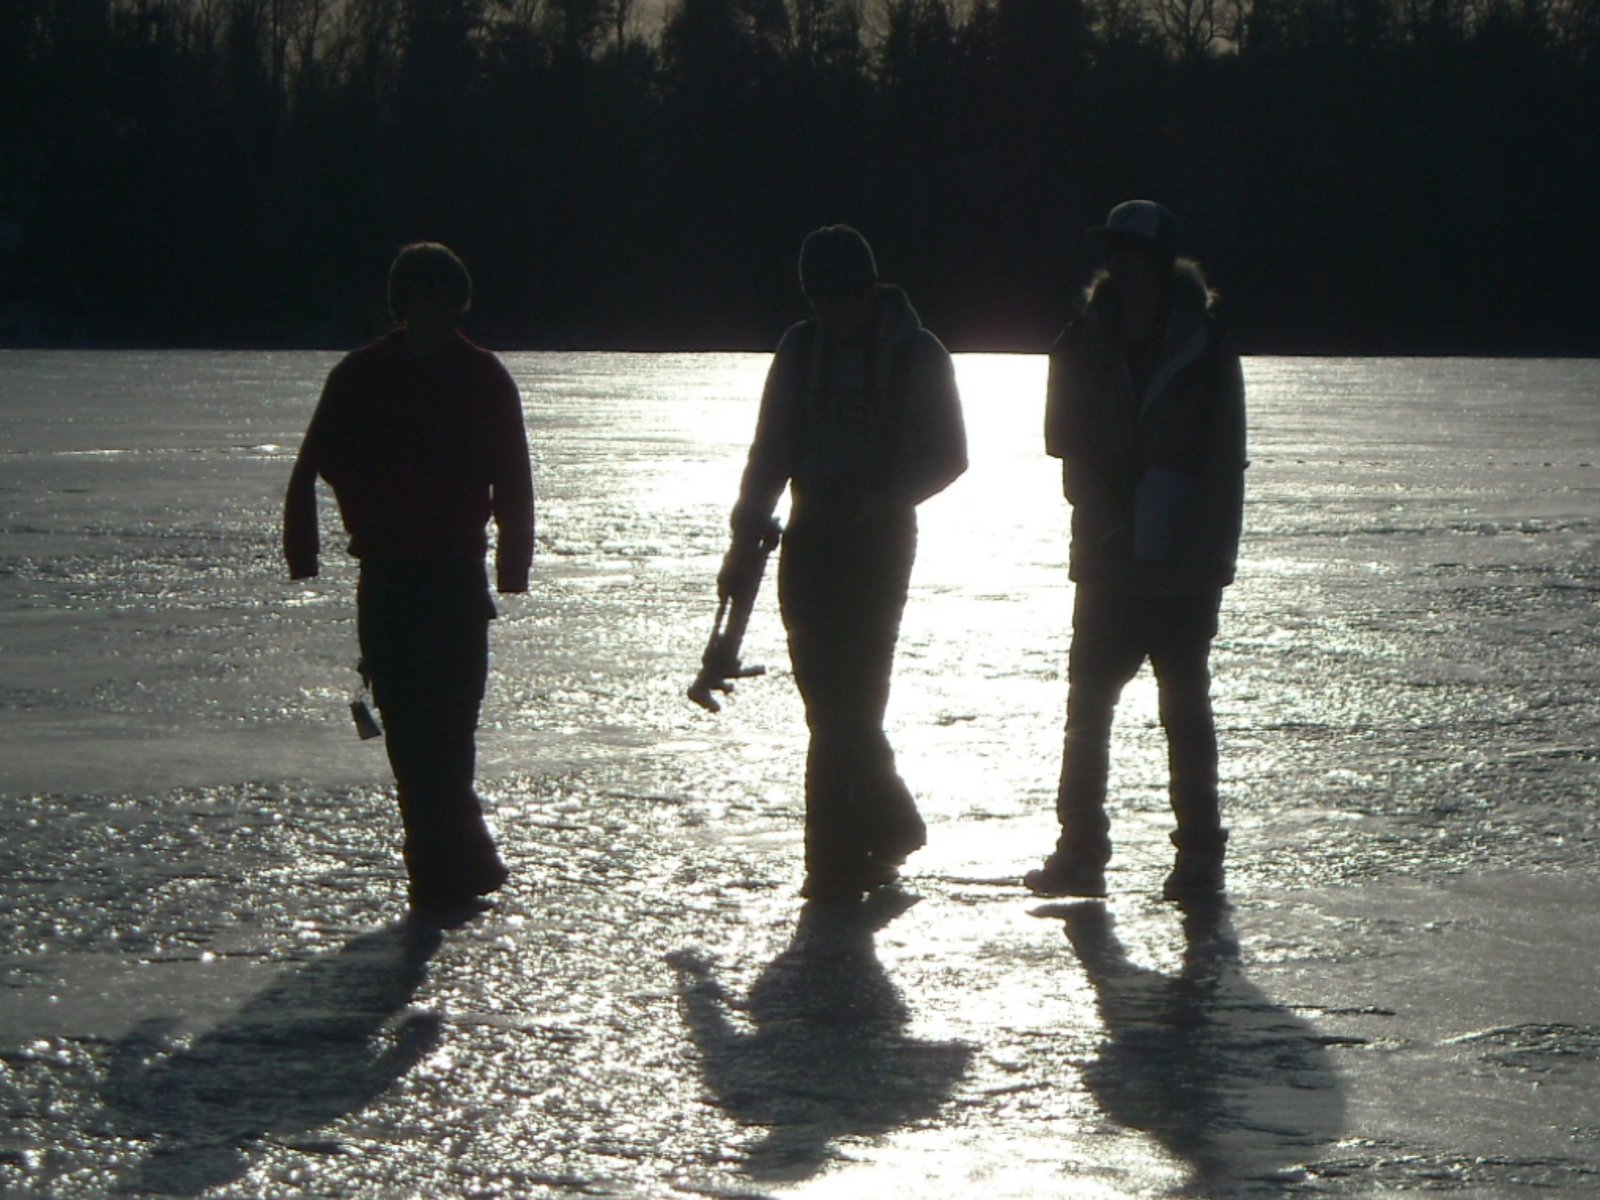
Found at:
<point>836,261</point>
<point>1141,221</point>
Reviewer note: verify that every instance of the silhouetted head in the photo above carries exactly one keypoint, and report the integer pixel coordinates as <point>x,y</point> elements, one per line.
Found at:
<point>428,274</point>
<point>1139,245</point>
<point>839,276</point>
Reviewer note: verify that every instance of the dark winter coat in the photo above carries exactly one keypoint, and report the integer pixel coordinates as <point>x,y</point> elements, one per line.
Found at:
<point>1155,479</point>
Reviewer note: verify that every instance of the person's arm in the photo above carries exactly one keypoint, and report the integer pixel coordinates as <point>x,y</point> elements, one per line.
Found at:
<point>512,495</point>
<point>302,543</point>
<point>1059,441</point>
<point>1230,435</point>
<point>1226,453</point>
<point>767,470</point>
<point>934,447</point>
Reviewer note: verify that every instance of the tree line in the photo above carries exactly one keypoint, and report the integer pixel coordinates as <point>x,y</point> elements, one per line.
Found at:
<point>1358,175</point>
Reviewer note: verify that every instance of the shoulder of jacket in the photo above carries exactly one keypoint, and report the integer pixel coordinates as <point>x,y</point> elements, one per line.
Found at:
<point>1222,333</point>
<point>784,376</point>
<point>358,365</point>
<point>481,357</point>
<point>347,368</point>
<point>374,351</point>
<point>494,366</point>
<point>798,334</point>
<point>1086,330</point>
<point>1218,340</point>
<point>924,346</point>
<point>376,354</point>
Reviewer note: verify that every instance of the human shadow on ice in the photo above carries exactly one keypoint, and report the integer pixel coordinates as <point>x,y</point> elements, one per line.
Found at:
<point>1237,1087</point>
<point>321,1042</point>
<point>818,1049</point>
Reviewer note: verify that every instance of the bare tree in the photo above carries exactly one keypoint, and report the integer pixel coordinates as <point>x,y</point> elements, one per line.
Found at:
<point>1189,27</point>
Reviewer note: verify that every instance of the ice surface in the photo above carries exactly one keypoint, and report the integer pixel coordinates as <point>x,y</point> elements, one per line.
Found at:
<point>204,989</point>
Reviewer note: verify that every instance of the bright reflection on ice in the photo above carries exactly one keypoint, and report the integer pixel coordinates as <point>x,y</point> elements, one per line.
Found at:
<point>203,983</point>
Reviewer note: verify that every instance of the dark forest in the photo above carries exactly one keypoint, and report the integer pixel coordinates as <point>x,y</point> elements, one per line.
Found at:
<point>1361,176</point>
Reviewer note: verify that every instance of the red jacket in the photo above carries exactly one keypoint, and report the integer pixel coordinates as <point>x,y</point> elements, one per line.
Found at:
<point>420,453</point>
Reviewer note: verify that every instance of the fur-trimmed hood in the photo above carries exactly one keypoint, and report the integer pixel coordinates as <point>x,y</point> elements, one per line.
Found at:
<point>1190,291</point>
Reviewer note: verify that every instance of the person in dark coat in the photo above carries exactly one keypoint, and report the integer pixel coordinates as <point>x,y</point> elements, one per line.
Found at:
<point>1145,410</point>
<point>421,437</point>
<point>861,418</point>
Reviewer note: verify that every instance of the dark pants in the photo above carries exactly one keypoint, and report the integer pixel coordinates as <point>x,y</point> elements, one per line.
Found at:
<point>424,630</point>
<point>1112,635</point>
<point>842,582</point>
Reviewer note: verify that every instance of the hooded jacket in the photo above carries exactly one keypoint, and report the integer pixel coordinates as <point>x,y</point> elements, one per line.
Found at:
<point>1155,478</point>
<point>904,441</point>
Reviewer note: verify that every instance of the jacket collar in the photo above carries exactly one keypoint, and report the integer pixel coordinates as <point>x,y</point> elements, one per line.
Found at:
<point>1187,335</point>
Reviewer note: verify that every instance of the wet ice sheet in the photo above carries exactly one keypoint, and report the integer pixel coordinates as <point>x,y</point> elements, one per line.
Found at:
<point>202,987</point>
<point>1419,580</point>
<point>650,1012</point>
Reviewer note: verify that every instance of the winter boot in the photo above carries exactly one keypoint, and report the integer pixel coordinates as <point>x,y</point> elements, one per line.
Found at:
<point>1197,871</point>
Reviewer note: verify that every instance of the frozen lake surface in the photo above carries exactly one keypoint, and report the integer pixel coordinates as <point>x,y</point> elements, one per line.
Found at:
<point>204,989</point>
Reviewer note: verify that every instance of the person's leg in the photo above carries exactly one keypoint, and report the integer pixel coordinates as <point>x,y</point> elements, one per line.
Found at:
<point>1106,652</point>
<point>886,814</point>
<point>842,590</point>
<point>808,605</point>
<point>457,852</point>
<point>424,644</point>
<point>1180,656</point>
<point>448,850</point>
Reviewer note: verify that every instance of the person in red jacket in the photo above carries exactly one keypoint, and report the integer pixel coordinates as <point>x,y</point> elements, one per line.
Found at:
<point>421,437</point>
<point>1145,410</point>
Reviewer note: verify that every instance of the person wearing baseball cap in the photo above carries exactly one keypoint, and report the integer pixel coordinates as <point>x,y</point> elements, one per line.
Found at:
<point>1145,409</point>
<point>860,421</point>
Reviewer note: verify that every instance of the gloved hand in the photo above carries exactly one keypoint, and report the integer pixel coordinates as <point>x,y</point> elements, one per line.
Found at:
<point>743,563</point>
